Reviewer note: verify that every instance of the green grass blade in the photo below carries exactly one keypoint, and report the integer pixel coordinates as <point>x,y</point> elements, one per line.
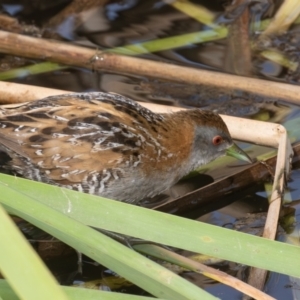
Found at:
<point>126,262</point>
<point>170,42</point>
<point>31,70</point>
<point>22,267</point>
<point>163,228</point>
<point>74,294</point>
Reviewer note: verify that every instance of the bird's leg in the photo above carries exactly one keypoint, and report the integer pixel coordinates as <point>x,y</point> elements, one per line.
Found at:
<point>79,262</point>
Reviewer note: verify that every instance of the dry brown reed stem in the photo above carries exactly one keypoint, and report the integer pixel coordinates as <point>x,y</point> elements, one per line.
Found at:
<point>238,49</point>
<point>11,93</point>
<point>257,276</point>
<point>207,271</point>
<point>72,55</point>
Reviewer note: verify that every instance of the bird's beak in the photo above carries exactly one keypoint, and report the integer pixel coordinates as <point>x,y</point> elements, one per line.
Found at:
<point>238,153</point>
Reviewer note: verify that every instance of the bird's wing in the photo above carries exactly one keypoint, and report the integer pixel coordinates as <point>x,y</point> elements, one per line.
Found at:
<point>69,138</point>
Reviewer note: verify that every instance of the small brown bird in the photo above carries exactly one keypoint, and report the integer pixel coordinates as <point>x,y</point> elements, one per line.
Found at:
<point>108,145</point>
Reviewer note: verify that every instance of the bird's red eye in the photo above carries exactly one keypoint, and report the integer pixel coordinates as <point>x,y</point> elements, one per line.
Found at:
<point>217,140</point>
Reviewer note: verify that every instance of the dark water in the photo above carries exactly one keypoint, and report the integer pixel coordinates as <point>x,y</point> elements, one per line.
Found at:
<point>121,23</point>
